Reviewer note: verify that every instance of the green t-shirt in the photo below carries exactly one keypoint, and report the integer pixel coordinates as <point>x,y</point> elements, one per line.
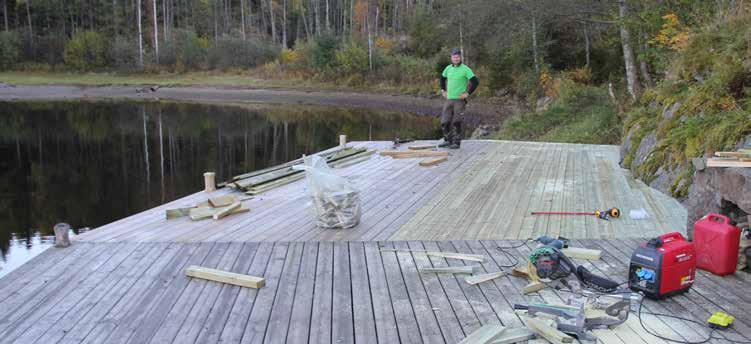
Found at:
<point>457,79</point>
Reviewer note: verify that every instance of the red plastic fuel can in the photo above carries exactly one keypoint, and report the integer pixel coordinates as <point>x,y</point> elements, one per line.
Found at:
<point>717,244</point>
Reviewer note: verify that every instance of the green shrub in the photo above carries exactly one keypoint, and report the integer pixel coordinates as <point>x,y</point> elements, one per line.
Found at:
<point>124,53</point>
<point>323,52</point>
<point>10,49</point>
<point>190,50</point>
<point>86,50</point>
<point>352,58</point>
<point>50,48</point>
<point>233,52</point>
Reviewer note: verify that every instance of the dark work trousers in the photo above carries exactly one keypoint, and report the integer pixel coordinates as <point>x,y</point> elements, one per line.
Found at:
<point>451,120</point>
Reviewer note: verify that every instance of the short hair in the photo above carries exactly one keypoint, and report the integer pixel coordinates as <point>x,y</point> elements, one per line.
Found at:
<point>456,51</point>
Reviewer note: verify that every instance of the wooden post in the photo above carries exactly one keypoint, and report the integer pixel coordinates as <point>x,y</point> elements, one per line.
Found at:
<point>209,180</point>
<point>62,238</point>
<point>342,141</point>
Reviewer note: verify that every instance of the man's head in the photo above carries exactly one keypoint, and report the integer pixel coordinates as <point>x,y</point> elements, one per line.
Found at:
<point>456,56</point>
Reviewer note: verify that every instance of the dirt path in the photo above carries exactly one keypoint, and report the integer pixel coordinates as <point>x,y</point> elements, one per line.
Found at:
<point>477,112</point>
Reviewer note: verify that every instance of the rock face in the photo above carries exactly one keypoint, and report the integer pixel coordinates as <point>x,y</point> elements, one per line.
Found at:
<point>713,190</point>
<point>719,190</point>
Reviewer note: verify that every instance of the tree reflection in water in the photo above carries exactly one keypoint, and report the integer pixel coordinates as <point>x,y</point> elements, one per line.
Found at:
<point>90,163</point>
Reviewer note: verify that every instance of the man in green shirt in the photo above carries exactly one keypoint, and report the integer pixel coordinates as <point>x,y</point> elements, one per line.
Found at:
<point>457,83</point>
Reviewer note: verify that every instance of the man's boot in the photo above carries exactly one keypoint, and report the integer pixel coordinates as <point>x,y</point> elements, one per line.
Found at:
<point>447,135</point>
<point>456,135</point>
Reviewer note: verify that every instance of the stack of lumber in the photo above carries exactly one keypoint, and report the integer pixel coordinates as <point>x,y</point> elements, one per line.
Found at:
<point>740,158</point>
<point>260,181</point>
<point>216,208</point>
<point>407,154</point>
<point>431,158</point>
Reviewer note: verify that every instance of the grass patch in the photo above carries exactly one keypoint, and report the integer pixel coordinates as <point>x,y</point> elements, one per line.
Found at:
<point>581,114</point>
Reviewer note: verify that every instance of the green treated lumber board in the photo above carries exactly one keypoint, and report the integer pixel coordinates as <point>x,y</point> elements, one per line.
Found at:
<point>453,255</point>
<point>476,279</point>
<point>514,335</point>
<point>258,180</point>
<point>177,212</point>
<point>449,270</point>
<point>225,277</point>
<point>484,335</point>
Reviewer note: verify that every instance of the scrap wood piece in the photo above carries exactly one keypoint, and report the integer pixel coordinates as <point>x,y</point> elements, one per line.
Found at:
<point>533,287</point>
<point>275,184</point>
<point>714,162</point>
<point>421,147</point>
<point>177,212</point>
<point>476,279</point>
<point>514,335</point>
<point>484,335</point>
<point>738,154</point>
<point>453,255</point>
<point>215,275</point>
<point>520,271</point>
<point>449,270</point>
<point>221,201</point>
<point>202,213</point>
<point>582,253</point>
<point>547,330</point>
<point>396,154</point>
<point>226,211</point>
<point>433,161</point>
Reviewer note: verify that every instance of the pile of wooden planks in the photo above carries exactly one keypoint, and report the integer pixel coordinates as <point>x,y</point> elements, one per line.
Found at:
<point>433,157</point>
<point>257,182</point>
<point>740,158</point>
<point>216,208</point>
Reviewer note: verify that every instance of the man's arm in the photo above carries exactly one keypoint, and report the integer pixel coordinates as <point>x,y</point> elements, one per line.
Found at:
<point>443,83</point>
<point>473,83</point>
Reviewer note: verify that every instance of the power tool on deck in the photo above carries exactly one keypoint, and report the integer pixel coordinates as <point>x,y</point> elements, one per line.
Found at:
<point>551,263</point>
<point>663,266</point>
<point>601,214</point>
<point>586,311</point>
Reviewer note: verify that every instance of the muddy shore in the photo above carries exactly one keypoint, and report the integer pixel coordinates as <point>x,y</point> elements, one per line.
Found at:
<point>477,111</point>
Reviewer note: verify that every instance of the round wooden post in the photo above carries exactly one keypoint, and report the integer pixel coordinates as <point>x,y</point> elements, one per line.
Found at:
<point>342,141</point>
<point>62,238</point>
<point>209,180</point>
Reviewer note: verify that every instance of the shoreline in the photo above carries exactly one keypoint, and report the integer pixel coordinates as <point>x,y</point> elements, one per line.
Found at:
<point>478,112</point>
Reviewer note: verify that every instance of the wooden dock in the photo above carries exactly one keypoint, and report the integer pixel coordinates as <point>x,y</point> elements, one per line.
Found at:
<point>316,292</point>
<point>486,190</point>
<point>125,282</point>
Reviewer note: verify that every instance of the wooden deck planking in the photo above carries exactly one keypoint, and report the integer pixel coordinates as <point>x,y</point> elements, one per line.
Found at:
<point>321,291</point>
<point>485,191</point>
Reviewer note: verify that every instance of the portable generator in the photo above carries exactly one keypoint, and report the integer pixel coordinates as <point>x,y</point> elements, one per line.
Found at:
<point>663,266</point>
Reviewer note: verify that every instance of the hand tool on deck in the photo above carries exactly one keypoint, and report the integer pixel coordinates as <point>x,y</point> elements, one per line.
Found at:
<point>398,141</point>
<point>601,214</point>
<point>558,243</point>
<point>611,310</point>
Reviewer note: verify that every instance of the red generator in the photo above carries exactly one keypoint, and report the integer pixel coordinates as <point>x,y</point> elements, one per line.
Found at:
<point>717,244</point>
<point>663,266</point>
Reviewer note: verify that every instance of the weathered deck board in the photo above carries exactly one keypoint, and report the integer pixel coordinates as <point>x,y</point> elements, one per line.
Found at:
<point>485,190</point>
<point>321,292</point>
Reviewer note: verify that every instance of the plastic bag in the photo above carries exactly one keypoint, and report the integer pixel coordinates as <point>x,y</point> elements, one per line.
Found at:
<point>336,202</point>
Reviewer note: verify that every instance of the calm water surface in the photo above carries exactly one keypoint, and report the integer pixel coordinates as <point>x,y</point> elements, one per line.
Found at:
<point>91,163</point>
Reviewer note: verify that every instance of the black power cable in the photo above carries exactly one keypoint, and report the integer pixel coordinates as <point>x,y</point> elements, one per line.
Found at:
<point>710,335</point>
<point>510,256</point>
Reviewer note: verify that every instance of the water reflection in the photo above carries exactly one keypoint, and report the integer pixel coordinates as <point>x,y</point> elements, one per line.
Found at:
<point>90,163</point>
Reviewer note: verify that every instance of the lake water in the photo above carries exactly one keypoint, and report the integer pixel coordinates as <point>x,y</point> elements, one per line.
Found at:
<point>91,163</point>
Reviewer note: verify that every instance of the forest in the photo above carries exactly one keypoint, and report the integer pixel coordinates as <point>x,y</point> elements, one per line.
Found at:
<point>575,68</point>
